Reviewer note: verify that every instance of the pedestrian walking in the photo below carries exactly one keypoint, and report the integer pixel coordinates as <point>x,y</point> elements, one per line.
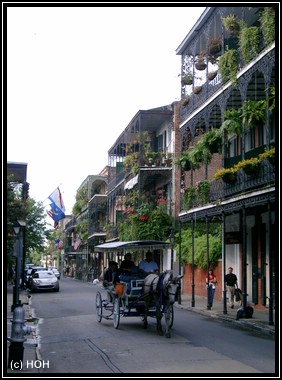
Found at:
<point>230,281</point>
<point>210,284</point>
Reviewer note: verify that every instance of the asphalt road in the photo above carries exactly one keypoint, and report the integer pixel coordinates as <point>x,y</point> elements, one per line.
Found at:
<point>72,341</point>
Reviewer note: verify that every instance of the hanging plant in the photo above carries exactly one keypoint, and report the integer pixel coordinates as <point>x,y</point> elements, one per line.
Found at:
<point>249,42</point>
<point>228,175</point>
<point>197,89</point>
<point>214,45</point>
<point>267,22</point>
<point>203,188</point>
<point>268,154</point>
<point>189,197</point>
<point>212,75</point>
<point>232,121</point>
<point>253,112</point>
<point>250,166</point>
<point>200,62</point>
<point>183,161</point>
<point>212,140</point>
<point>231,23</point>
<point>228,65</point>
<point>187,79</point>
<point>185,100</point>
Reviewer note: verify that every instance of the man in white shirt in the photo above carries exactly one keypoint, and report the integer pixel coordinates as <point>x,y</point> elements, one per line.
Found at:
<point>148,265</point>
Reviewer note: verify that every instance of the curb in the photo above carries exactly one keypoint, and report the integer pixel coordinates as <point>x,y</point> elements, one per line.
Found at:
<point>252,325</point>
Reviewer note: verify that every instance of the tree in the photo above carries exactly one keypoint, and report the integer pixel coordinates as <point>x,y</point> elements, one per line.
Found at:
<point>30,211</point>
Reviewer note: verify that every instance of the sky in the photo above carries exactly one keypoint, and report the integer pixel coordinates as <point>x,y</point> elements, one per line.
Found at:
<point>76,76</point>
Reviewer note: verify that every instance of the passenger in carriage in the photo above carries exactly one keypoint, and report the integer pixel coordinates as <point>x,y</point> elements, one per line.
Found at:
<point>128,270</point>
<point>126,264</point>
<point>148,265</point>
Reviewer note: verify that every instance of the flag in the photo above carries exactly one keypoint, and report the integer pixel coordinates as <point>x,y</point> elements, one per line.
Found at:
<point>57,211</point>
<point>77,243</point>
<point>59,243</point>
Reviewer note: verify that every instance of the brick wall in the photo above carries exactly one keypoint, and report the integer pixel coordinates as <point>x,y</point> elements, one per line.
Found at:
<point>200,281</point>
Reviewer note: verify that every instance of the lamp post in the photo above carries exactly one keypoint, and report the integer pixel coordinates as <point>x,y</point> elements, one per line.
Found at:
<point>19,257</point>
<point>172,242</point>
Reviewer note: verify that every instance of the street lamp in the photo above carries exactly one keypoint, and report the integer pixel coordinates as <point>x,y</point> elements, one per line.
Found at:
<point>19,257</point>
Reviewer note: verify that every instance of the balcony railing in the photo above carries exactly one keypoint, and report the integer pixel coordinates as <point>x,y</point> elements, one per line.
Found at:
<point>220,190</point>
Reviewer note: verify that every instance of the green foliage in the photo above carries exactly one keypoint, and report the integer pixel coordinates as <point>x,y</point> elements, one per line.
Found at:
<point>30,211</point>
<point>145,222</point>
<point>189,197</point>
<point>81,229</point>
<point>81,201</point>
<point>228,65</point>
<point>231,23</point>
<point>267,21</point>
<point>203,188</point>
<point>200,244</point>
<point>232,121</point>
<point>253,111</point>
<point>249,42</point>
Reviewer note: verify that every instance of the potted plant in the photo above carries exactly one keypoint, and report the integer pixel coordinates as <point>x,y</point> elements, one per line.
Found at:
<point>211,75</point>
<point>203,188</point>
<point>232,123</point>
<point>228,175</point>
<point>249,42</point>
<point>183,161</point>
<point>197,89</point>
<point>250,166</point>
<point>200,62</point>
<point>212,140</point>
<point>185,100</point>
<point>228,65</point>
<point>231,23</point>
<point>189,197</point>
<point>268,154</point>
<point>214,44</point>
<point>187,79</point>
<point>253,111</point>
<point>267,22</point>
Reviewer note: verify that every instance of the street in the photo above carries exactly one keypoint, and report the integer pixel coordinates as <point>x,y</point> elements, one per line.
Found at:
<point>71,340</point>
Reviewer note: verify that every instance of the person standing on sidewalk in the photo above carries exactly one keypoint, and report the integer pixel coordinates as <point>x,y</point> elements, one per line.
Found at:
<point>210,283</point>
<point>230,280</point>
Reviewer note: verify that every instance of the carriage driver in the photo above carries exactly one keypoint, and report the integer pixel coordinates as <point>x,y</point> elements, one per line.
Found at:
<point>148,265</point>
<point>111,275</point>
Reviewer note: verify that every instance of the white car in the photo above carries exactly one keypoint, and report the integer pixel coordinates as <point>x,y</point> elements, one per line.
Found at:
<point>44,280</point>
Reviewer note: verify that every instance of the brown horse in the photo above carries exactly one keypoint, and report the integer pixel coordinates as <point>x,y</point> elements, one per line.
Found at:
<point>160,292</point>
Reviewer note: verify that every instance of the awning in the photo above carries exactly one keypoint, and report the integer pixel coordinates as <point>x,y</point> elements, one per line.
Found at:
<point>131,183</point>
<point>136,245</point>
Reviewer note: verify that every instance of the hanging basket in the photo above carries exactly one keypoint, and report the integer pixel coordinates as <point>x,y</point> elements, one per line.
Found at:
<point>197,89</point>
<point>229,177</point>
<point>185,101</point>
<point>187,80</point>
<point>212,75</point>
<point>200,66</point>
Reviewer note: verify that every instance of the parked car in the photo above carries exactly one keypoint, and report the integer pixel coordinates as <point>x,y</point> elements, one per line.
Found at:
<point>44,280</point>
<point>56,273</point>
<point>30,272</point>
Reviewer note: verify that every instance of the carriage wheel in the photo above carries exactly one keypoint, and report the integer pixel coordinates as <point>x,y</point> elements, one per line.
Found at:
<point>116,312</point>
<point>99,307</point>
<point>169,315</point>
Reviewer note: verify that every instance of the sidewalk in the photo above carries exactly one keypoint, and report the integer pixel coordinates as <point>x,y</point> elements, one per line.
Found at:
<point>30,353</point>
<point>259,322</point>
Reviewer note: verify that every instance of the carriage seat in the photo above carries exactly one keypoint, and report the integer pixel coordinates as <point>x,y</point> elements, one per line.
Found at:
<point>136,288</point>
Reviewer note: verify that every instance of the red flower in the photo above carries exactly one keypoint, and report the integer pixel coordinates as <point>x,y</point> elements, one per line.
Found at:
<point>143,218</point>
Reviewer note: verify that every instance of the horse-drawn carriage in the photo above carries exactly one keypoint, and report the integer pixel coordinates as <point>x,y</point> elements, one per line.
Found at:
<point>152,296</point>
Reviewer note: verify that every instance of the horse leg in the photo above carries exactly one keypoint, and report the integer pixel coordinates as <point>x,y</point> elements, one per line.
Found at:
<point>145,319</point>
<point>159,318</point>
<point>167,321</point>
